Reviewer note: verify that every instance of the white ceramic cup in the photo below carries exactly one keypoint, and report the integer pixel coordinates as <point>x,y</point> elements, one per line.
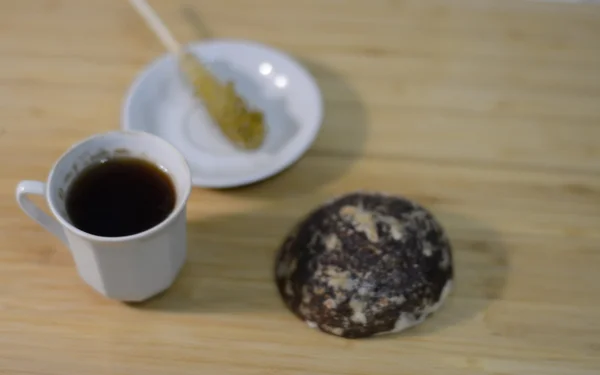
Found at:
<point>129,268</point>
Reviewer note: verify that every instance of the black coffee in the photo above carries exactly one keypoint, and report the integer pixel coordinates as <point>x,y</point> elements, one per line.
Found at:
<point>120,197</point>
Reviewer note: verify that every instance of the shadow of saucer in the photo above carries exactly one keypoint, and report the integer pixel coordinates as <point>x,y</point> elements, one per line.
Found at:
<point>339,144</point>
<point>340,140</point>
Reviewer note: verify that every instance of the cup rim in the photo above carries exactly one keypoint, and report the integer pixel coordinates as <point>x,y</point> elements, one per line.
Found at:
<point>148,232</point>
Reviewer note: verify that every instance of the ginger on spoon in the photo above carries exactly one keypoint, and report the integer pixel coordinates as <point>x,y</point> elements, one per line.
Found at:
<point>243,127</point>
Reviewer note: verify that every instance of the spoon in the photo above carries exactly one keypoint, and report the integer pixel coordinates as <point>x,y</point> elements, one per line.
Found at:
<point>243,127</point>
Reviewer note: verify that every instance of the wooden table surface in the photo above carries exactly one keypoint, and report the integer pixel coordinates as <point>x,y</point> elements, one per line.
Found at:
<point>485,111</point>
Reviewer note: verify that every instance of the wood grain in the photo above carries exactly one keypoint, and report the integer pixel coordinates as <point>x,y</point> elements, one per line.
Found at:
<point>486,111</point>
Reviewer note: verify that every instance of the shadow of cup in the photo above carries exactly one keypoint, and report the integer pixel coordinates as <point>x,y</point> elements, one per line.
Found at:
<point>234,274</point>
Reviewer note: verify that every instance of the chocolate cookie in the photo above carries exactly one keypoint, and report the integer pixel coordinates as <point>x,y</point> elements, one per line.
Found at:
<point>365,264</point>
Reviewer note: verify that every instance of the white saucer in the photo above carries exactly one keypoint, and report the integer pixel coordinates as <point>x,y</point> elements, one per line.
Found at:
<point>160,102</point>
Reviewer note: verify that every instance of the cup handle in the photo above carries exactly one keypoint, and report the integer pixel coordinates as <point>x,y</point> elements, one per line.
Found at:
<point>24,188</point>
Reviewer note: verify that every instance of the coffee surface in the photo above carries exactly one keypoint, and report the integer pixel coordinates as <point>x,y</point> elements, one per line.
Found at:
<point>120,197</point>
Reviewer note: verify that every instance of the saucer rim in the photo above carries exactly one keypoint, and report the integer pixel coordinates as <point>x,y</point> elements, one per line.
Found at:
<point>260,174</point>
